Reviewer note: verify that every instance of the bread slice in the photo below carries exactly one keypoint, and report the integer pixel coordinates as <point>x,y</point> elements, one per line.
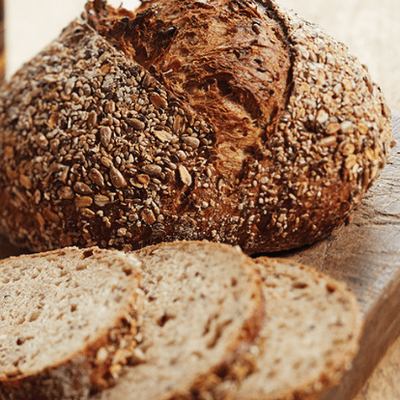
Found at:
<point>310,337</point>
<point>203,312</point>
<point>68,321</point>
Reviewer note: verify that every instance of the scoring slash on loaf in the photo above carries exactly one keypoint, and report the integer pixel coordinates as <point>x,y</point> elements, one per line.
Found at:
<point>69,322</point>
<point>204,313</point>
<point>233,121</point>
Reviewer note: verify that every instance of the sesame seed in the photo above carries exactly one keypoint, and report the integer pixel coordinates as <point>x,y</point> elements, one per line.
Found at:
<point>83,201</point>
<point>185,176</point>
<point>117,178</point>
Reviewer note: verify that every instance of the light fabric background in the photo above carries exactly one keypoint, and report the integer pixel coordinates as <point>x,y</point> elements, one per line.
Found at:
<point>30,25</point>
<point>371,29</point>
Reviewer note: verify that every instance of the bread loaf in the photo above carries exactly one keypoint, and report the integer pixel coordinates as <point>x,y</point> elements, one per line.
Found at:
<point>232,121</point>
<point>68,322</point>
<point>204,313</point>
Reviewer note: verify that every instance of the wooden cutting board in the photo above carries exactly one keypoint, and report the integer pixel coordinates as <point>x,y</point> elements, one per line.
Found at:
<point>366,255</point>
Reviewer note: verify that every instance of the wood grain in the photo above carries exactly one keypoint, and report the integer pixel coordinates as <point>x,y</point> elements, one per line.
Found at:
<point>384,381</point>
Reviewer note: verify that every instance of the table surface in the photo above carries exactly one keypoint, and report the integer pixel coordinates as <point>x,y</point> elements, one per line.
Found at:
<point>370,28</point>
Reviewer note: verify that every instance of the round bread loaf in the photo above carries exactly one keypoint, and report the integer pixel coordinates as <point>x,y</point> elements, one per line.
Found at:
<point>232,121</point>
<point>69,320</point>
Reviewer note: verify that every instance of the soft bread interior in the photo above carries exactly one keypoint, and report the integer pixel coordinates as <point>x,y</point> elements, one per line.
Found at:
<point>55,305</point>
<point>201,298</point>
<point>311,335</point>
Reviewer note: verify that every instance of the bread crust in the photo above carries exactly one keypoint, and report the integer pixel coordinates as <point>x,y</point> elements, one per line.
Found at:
<point>97,150</point>
<point>93,367</point>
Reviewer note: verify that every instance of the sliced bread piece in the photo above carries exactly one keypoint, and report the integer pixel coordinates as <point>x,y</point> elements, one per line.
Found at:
<point>68,321</point>
<point>310,337</point>
<point>204,310</point>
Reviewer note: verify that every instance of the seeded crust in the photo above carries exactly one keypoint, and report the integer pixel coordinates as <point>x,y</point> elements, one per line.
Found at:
<point>204,313</point>
<point>116,135</point>
<point>69,322</point>
<point>310,337</point>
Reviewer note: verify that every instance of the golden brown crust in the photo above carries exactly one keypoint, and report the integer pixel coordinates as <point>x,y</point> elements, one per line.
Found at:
<point>96,149</point>
<point>228,61</point>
